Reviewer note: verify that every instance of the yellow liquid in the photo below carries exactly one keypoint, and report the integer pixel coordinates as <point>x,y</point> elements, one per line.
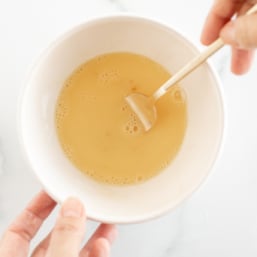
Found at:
<point>102,136</point>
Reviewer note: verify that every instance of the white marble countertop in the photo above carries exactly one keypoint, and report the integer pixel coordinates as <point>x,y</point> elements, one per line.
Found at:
<point>220,219</point>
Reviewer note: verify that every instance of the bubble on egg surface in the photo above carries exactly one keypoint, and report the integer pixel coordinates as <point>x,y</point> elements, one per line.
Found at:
<point>109,76</point>
<point>178,95</point>
<point>133,125</point>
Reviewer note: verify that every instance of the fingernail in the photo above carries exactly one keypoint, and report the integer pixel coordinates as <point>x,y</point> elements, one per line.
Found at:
<point>72,208</point>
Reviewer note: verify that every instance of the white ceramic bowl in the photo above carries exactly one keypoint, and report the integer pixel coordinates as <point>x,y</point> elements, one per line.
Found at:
<point>121,204</point>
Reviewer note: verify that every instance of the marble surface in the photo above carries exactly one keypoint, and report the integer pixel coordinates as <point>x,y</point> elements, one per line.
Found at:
<point>220,219</point>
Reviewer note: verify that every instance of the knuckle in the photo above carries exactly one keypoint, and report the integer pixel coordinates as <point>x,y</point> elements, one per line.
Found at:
<point>26,225</point>
<point>67,226</point>
<point>246,33</point>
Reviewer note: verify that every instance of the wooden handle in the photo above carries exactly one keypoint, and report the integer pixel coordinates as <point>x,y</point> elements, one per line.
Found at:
<point>194,63</point>
<point>188,68</point>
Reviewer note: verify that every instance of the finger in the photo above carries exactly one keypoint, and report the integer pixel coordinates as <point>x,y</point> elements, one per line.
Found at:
<point>41,249</point>
<point>17,237</point>
<point>220,13</point>
<point>241,60</point>
<point>246,6</point>
<point>100,248</point>
<point>68,231</point>
<point>107,231</point>
<point>242,32</point>
<point>29,221</point>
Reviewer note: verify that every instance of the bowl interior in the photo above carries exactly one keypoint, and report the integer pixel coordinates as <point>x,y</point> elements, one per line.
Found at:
<point>202,141</point>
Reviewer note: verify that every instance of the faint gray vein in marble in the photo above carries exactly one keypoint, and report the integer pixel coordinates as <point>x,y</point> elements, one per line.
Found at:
<point>222,63</point>
<point>175,242</point>
<point>223,67</point>
<point>119,5</point>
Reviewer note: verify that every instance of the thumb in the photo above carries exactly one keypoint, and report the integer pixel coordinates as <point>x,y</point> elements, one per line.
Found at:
<point>242,32</point>
<point>68,231</point>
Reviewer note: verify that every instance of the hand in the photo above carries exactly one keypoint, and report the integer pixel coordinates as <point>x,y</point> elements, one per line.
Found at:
<point>65,238</point>
<point>241,33</point>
